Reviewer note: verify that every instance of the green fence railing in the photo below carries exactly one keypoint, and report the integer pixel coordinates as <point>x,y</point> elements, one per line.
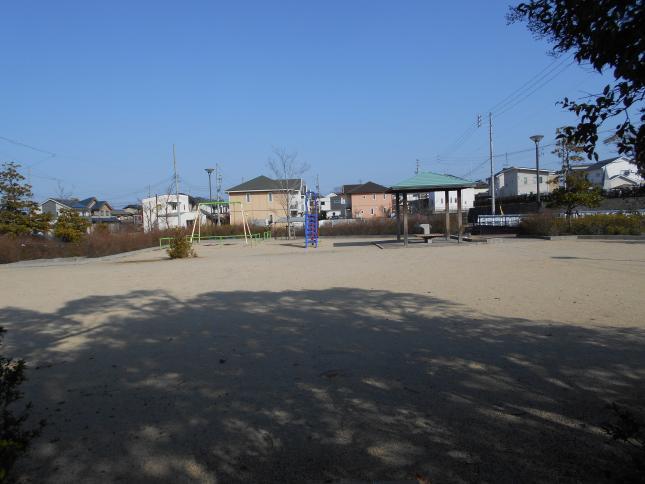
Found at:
<point>164,242</point>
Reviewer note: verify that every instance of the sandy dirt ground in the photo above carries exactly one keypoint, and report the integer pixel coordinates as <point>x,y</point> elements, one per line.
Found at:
<point>346,363</point>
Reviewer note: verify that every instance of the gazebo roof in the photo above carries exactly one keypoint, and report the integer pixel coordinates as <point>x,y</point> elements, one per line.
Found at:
<point>427,182</point>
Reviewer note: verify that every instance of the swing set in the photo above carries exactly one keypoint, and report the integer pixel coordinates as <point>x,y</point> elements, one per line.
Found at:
<point>197,226</point>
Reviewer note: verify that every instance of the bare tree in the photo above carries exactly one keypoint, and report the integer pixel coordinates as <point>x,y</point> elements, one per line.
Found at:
<point>62,192</point>
<point>287,170</point>
<point>148,212</point>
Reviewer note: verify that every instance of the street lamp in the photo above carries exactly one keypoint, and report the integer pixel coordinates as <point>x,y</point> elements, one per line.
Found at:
<point>210,187</point>
<point>536,138</point>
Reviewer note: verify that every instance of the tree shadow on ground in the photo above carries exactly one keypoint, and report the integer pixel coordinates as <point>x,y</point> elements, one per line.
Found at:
<point>318,386</point>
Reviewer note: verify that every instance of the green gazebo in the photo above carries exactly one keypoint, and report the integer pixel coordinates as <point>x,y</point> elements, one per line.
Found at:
<point>425,182</point>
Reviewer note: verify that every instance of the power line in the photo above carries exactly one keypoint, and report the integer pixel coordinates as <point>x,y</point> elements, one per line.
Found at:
<point>530,87</point>
<point>531,83</point>
<point>520,100</point>
<point>25,145</point>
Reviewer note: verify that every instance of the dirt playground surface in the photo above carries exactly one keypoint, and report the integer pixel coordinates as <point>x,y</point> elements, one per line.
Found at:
<point>348,363</point>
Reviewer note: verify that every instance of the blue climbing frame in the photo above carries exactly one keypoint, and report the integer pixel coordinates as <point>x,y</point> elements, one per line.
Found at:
<point>311,218</point>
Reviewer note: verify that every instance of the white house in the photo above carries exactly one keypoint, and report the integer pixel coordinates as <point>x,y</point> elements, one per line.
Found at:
<point>326,206</point>
<point>437,201</point>
<point>618,172</point>
<point>514,181</point>
<point>169,211</point>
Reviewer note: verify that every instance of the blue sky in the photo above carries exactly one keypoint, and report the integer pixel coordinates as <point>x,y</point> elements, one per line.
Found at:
<point>360,89</point>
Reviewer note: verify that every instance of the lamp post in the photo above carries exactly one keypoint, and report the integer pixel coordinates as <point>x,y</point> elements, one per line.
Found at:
<point>210,187</point>
<point>536,138</point>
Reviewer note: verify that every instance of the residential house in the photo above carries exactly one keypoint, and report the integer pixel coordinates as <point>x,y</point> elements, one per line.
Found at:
<point>163,212</point>
<point>265,201</point>
<point>482,187</point>
<point>437,200</point>
<point>618,172</point>
<point>130,214</point>
<point>335,205</point>
<point>514,181</point>
<point>96,211</point>
<point>369,200</point>
<point>325,203</point>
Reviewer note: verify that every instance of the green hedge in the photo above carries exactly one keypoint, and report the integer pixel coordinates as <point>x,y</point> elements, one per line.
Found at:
<point>546,224</point>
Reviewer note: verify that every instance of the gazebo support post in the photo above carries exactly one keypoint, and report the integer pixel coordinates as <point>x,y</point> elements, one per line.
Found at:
<point>405,219</point>
<point>447,200</point>
<point>458,214</point>
<point>398,216</point>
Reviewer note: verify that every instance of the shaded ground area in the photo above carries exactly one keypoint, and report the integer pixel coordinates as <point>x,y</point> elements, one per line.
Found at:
<point>318,385</point>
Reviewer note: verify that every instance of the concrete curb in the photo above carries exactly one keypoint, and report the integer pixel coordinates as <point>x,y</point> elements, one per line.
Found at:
<point>76,260</point>
<point>583,237</point>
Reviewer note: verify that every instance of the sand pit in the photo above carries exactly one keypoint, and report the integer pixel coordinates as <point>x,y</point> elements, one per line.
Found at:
<point>341,364</point>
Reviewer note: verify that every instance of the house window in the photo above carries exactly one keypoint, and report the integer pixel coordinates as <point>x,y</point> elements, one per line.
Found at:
<point>361,212</point>
<point>384,210</point>
<point>626,172</point>
<point>384,195</point>
<point>248,198</point>
<point>342,201</point>
<point>526,180</point>
<point>363,197</point>
<point>371,211</point>
<point>373,196</point>
<point>441,200</point>
<point>540,179</point>
<point>271,197</point>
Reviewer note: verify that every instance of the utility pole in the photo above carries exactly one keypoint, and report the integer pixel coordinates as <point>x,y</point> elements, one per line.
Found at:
<point>417,170</point>
<point>210,187</point>
<point>218,181</point>
<point>174,166</point>
<point>536,138</point>
<point>490,149</point>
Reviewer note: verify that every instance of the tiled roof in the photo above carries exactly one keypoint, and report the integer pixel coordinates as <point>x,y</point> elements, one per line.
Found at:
<point>264,183</point>
<point>368,187</point>
<point>426,181</point>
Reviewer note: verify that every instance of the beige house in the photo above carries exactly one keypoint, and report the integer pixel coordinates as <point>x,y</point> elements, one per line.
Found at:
<point>266,201</point>
<point>370,200</point>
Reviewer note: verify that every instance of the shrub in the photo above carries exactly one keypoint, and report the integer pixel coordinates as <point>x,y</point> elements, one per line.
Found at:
<point>14,439</point>
<point>70,226</point>
<point>547,224</point>
<point>180,246</point>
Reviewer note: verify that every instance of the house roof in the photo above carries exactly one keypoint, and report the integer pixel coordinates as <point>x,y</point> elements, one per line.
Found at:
<point>429,181</point>
<point>100,203</point>
<point>368,187</point>
<point>601,163</point>
<point>85,204</point>
<point>349,188</point>
<point>264,183</point>
<point>522,168</point>
<point>68,202</point>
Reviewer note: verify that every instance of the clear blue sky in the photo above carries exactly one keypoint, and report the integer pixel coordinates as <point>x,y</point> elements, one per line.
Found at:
<point>360,89</point>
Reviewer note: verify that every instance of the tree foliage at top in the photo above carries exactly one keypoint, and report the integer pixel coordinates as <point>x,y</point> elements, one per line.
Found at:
<point>608,35</point>
<point>18,213</point>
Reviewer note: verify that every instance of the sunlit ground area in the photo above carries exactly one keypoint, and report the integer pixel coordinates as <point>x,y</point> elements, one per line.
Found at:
<point>466,363</point>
